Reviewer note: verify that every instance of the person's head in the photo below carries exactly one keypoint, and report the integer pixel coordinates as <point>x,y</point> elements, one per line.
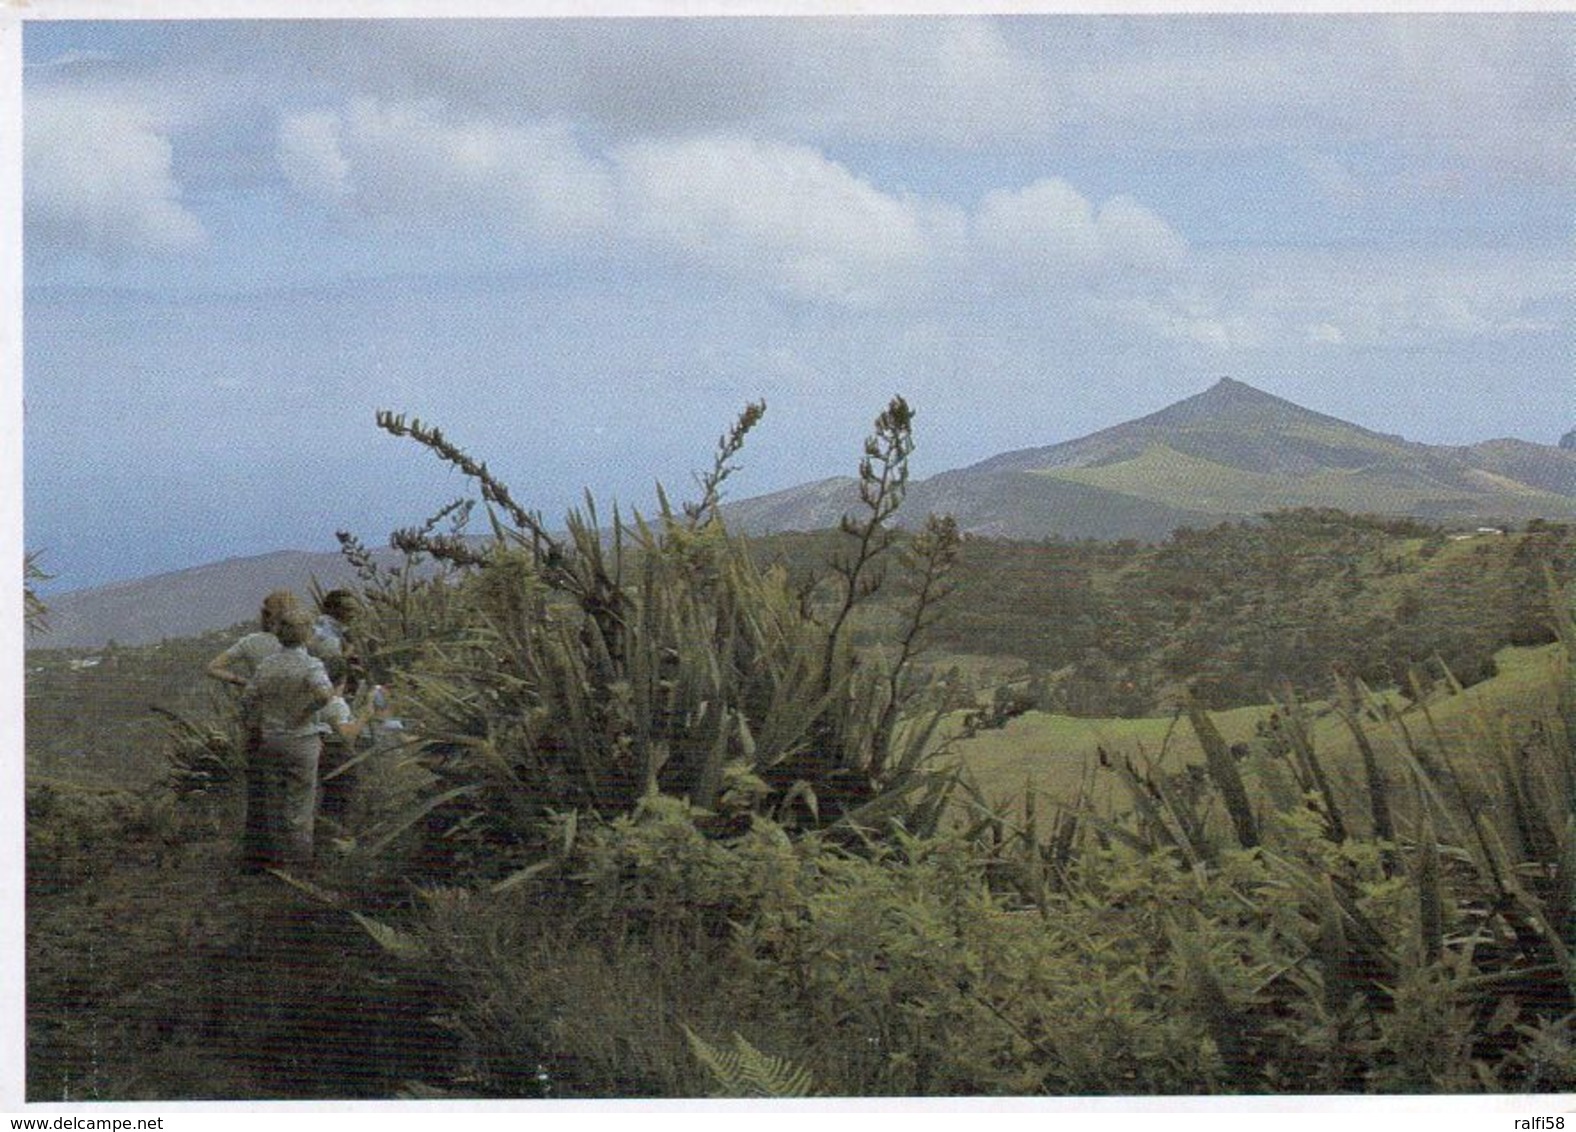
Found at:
<point>341,605</point>
<point>293,627</point>
<point>276,606</point>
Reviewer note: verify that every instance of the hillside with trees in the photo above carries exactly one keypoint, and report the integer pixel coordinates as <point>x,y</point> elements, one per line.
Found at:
<point>1235,611</point>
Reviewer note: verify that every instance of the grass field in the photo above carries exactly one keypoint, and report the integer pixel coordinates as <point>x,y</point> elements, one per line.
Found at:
<point>1055,755</point>
<point>1165,475</point>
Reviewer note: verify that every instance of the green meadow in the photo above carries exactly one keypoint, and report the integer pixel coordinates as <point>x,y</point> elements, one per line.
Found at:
<point>1055,755</point>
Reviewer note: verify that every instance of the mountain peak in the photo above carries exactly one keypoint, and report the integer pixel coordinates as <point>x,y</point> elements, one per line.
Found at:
<point>1228,400</point>
<point>1231,391</point>
<point>1230,423</point>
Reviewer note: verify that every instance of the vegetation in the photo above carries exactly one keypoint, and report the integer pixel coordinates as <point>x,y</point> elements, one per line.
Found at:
<point>35,614</point>
<point>87,711</point>
<point>674,815</point>
<point>1233,613</point>
<point>589,671</point>
<point>1245,928</point>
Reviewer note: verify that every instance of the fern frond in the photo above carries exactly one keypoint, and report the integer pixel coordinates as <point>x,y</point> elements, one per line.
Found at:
<point>745,1071</point>
<point>399,944</point>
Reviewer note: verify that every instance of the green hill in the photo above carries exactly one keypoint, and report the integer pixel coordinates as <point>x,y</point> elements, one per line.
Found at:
<point>1230,451</point>
<point>1056,754</point>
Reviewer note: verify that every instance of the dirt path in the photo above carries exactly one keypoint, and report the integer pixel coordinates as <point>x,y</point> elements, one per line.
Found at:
<point>164,976</point>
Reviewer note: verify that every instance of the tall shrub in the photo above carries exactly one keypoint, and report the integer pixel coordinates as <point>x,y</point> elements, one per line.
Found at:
<point>588,668</point>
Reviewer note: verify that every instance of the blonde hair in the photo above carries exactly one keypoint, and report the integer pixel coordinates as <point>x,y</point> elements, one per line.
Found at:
<point>277,606</point>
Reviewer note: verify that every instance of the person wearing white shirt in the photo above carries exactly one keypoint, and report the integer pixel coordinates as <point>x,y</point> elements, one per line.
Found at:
<point>281,706</point>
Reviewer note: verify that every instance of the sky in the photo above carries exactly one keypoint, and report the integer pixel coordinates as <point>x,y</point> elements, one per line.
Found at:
<point>582,246</point>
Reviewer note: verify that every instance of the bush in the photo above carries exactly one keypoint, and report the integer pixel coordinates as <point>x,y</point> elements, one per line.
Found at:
<point>546,674</point>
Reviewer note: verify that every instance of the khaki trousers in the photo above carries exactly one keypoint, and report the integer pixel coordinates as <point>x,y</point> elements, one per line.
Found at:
<point>281,801</point>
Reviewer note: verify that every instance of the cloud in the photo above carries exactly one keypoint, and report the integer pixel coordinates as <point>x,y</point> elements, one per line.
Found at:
<point>1050,230</point>
<point>1491,89</point>
<point>1187,317</point>
<point>775,214</point>
<point>1484,92</point>
<point>1414,298</point>
<point>1292,298</point>
<point>784,214</point>
<point>956,81</point>
<point>71,58</point>
<point>1494,92</point>
<point>752,210</point>
<point>98,179</point>
<point>419,161</point>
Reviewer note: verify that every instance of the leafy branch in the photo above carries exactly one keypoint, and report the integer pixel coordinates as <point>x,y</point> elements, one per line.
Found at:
<point>35,612</point>
<point>931,555</point>
<point>745,1071</point>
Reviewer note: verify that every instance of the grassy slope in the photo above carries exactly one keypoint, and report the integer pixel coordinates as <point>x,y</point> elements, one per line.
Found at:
<point>154,974</point>
<point>1164,475</point>
<point>1055,754</point>
<point>93,727</point>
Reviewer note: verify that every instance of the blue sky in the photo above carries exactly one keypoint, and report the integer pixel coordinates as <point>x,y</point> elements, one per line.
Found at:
<point>581,246</point>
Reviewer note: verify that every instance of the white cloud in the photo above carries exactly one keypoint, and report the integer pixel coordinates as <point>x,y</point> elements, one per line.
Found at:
<point>1492,89</point>
<point>1050,230</point>
<point>1296,297</point>
<point>1191,318</point>
<point>789,219</point>
<point>1049,224</point>
<point>784,214</point>
<point>950,82</point>
<point>1407,298</point>
<point>1135,240</point>
<point>1485,92</point>
<point>953,81</point>
<point>764,212</point>
<point>418,161</point>
<point>98,179</point>
<point>781,215</point>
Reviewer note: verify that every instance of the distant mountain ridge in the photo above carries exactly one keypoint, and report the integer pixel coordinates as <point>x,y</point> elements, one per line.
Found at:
<point>184,603</point>
<point>1230,452</point>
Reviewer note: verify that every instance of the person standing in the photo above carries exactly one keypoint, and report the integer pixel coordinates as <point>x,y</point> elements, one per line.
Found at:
<point>237,664</point>
<point>340,728</point>
<point>331,634</point>
<point>333,642</point>
<point>281,704</point>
